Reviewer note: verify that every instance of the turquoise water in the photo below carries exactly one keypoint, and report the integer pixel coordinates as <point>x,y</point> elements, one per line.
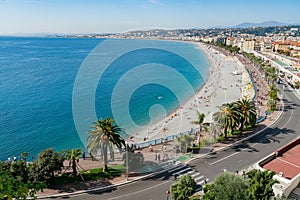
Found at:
<point>37,77</point>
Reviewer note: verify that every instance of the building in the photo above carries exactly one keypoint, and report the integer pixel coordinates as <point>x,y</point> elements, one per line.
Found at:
<point>291,47</point>
<point>247,44</point>
<point>285,162</point>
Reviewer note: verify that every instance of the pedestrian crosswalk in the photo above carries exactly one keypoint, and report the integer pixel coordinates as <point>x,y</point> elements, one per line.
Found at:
<point>180,170</point>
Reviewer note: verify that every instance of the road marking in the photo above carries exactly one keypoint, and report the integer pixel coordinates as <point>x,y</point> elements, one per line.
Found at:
<point>290,117</point>
<point>132,193</point>
<point>177,168</point>
<point>191,172</point>
<point>223,158</point>
<point>196,179</point>
<point>184,170</point>
<point>195,174</point>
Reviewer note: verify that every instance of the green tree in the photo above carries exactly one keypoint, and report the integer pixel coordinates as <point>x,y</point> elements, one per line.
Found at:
<point>209,193</point>
<point>15,182</point>
<point>260,184</point>
<point>184,142</point>
<point>228,116</point>
<point>271,104</point>
<point>200,122</point>
<point>271,74</point>
<point>247,113</point>
<point>226,186</point>
<point>273,92</point>
<point>215,130</point>
<point>46,165</point>
<point>104,135</point>
<point>202,125</point>
<point>183,188</point>
<point>73,157</point>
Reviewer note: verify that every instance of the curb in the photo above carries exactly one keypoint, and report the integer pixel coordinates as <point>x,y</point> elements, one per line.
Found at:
<point>106,187</point>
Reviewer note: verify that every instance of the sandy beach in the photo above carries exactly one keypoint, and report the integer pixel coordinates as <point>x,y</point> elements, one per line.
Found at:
<point>228,80</point>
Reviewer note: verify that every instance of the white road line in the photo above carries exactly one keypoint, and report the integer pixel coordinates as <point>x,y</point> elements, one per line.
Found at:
<point>184,170</point>
<point>149,188</point>
<point>195,174</point>
<point>223,158</point>
<point>190,172</point>
<point>200,183</point>
<point>177,168</point>
<point>198,178</point>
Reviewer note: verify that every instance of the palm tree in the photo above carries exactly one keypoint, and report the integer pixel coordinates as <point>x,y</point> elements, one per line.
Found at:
<point>184,142</point>
<point>273,92</point>
<point>215,130</point>
<point>247,112</point>
<point>73,157</point>
<point>271,104</point>
<point>202,125</point>
<point>228,116</point>
<point>103,136</point>
<point>200,122</point>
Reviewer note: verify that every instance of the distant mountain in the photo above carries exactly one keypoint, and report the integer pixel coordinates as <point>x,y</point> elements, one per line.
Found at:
<point>252,24</point>
<point>262,24</point>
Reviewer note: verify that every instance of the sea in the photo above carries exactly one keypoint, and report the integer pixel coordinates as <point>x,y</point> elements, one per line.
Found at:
<point>53,89</point>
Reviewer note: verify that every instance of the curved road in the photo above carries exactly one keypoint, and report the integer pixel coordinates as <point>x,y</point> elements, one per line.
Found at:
<point>237,157</point>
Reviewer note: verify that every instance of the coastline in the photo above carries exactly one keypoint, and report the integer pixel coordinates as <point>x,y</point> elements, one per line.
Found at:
<point>227,81</point>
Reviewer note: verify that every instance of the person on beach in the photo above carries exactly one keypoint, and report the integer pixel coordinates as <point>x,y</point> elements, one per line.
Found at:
<point>83,155</point>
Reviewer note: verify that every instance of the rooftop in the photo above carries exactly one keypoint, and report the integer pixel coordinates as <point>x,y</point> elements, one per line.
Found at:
<point>286,162</point>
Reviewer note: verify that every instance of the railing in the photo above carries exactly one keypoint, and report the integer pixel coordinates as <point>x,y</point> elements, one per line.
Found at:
<point>161,140</point>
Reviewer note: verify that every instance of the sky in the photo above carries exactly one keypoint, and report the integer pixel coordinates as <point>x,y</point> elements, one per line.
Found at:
<point>107,16</point>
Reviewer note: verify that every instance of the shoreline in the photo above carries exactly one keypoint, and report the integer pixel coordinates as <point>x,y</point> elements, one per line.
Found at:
<point>214,92</point>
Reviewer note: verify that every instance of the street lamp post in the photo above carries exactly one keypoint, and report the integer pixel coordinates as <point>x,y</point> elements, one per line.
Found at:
<point>126,143</point>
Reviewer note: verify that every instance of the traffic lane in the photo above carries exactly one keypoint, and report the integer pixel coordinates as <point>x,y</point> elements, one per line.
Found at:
<point>240,156</point>
<point>152,188</point>
<point>269,136</point>
<point>244,158</point>
<point>155,192</point>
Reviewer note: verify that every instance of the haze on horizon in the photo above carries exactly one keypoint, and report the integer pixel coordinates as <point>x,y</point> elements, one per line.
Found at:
<point>93,16</point>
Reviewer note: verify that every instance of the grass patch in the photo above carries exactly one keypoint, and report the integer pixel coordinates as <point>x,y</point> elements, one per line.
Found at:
<point>185,157</point>
<point>236,132</point>
<point>92,174</point>
<point>120,167</point>
<point>220,138</point>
